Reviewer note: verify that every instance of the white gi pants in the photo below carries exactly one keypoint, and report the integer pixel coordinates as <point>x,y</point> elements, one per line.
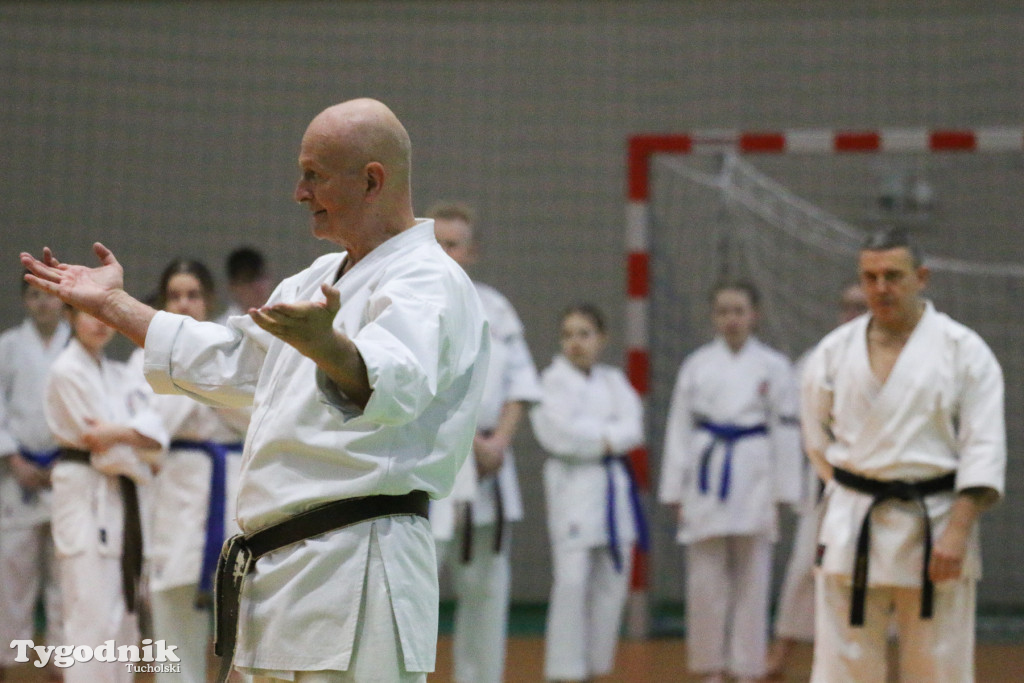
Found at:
<point>728,580</point>
<point>377,654</point>
<point>177,621</point>
<point>27,568</point>
<point>585,612</point>
<point>94,612</point>
<point>481,612</point>
<point>796,605</point>
<point>936,650</point>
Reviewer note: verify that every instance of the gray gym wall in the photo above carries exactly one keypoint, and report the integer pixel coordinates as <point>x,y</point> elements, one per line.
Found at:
<point>171,128</point>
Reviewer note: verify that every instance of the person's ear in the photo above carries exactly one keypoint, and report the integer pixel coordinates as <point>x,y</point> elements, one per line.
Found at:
<point>375,175</point>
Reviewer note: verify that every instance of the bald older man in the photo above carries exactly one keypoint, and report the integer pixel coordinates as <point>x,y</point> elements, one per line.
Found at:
<point>364,372</point>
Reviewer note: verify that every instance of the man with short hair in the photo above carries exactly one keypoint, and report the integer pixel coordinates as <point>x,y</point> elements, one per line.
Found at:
<point>27,452</point>
<point>902,413</point>
<point>248,281</point>
<point>472,525</point>
<point>364,372</point>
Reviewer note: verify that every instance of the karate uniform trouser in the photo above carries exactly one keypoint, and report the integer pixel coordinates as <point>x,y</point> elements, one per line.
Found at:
<point>728,580</point>
<point>27,568</point>
<point>936,650</point>
<point>481,612</point>
<point>177,622</point>
<point>585,612</point>
<point>796,604</point>
<point>377,653</point>
<point>94,612</point>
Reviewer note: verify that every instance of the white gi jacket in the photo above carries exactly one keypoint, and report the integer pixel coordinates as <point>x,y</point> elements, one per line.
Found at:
<point>755,386</point>
<point>24,363</point>
<point>939,411</point>
<point>87,500</point>
<point>417,322</point>
<point>180,493</point>
<point>575,417</point>
<point>511,376</point>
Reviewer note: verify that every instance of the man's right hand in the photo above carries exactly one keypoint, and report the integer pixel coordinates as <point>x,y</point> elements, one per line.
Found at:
<point>97,291</point>
<point>87,289</point>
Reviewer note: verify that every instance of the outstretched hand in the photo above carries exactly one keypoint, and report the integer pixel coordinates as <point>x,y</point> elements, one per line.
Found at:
<point>306,325</point>
<point>87,289</point>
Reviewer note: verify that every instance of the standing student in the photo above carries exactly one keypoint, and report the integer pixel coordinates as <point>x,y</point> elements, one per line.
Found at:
<point>902,414</point>
<point>476,548</point>
<point>27,453</point>
<point>192,499</point>
<point>364,372</point>
<point>795,620</point>
<point>732,453</point>
<point>588,419</point>
<point>109,440</point>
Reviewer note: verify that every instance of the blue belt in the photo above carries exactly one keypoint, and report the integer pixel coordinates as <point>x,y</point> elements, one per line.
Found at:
<point>729,435</point>
<point>41,459</point>
<point>218,453</point>
<point>639,520</point>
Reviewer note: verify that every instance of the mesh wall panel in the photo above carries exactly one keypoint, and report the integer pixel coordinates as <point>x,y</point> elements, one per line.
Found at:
<point>712,218</point>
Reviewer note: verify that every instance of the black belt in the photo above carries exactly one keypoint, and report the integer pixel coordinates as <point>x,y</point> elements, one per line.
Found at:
<point>881,491</point>
<point>131,541</point>
<point>499,523</point>
<point>240,552</point>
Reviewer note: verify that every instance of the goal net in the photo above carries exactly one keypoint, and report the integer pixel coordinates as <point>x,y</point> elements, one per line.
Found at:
<point>793,225</point>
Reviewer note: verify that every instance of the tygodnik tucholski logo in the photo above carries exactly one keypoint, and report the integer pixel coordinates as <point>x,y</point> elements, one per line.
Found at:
<point>151,657</point>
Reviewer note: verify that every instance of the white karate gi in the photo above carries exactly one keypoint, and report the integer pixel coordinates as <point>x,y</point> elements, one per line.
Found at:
<point>482,585</point>
<point>729,540</point>
<point>176,526</point>
<point>27,565</point>
<point>417,322</point>
<point>939,411</point>
<point>577,415</point>
<point>87,510</point>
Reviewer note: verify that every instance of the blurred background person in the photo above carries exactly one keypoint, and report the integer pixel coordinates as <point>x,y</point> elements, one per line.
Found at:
<point>588,419</point>
<point>732,453</point>
<point>473,525</point>
<point>27,453</point>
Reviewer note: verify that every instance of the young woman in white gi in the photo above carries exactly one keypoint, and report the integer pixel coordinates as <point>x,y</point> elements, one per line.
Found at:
<point>96,409</point>
<point>588,419</point>
<point>27,453</point>
<point>192,507</point>
<point>731,454</point>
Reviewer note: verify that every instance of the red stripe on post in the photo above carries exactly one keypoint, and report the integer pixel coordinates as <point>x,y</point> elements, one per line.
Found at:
<point>952,141</point>
<point>641,467</point>
<point>638,369</point>
<point>762,142</point>
<point>858,142</point>
<point>638,581</point>
<point>641,147</point>
<point>637,274</point>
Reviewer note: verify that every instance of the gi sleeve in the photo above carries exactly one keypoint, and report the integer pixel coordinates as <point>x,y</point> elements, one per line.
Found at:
<point>8,444</point>
<point>816,410</point>
<point>558,423</point>
<point>625,430</point>
<point>213,364</point>
<point>678,436</point>
<point>981,435</point>
<point>784,432</point>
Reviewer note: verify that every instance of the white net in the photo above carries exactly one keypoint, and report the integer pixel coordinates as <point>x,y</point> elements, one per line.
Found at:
<point>717,215</point>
